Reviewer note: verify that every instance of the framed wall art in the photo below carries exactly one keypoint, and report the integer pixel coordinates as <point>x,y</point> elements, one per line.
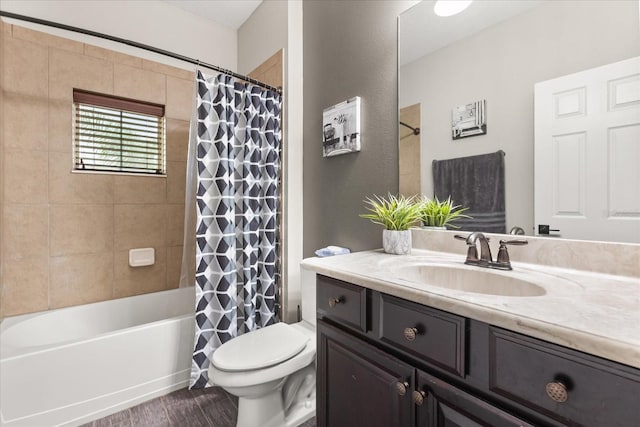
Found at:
<point>341,128</point>
<point>469,120</point>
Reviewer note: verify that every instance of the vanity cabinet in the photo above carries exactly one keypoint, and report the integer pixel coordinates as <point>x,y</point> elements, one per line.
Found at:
<point>385,361</point>
<point>360,385</point>
<point>439,403</point>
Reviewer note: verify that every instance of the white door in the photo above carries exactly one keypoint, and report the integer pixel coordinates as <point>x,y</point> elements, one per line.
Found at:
<point>587,153</point>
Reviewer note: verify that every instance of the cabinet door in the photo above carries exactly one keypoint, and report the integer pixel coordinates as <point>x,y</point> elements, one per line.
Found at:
<point>444,405</point>
<point>359,385</point>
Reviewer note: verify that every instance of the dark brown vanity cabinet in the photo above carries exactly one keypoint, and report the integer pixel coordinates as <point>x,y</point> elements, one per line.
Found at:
<point>384,361</point>
<point>438,403</point>
<point>359,385</point>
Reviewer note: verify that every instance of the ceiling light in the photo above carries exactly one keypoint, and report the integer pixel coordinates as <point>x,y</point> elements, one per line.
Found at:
<point>450,7</point>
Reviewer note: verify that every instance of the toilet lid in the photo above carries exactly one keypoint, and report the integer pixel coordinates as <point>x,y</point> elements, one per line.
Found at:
<point>260,348</point>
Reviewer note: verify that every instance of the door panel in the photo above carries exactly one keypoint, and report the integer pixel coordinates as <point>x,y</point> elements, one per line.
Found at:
<point>358,384</point>
<point>448,406</point>
<point>587,153</point>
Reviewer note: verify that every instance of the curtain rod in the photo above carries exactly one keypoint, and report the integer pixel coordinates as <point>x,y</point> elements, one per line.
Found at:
<point>138,45</point>
<point>416,131</point>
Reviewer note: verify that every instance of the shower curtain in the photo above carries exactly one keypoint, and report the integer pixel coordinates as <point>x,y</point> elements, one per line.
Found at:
<point>237,238</point>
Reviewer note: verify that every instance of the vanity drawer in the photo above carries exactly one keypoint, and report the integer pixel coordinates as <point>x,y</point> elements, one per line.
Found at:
<point>536,373</point>
<point>342,302</point>
<point>428,334</point>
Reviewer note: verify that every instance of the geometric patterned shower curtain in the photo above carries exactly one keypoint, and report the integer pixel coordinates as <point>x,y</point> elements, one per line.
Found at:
<point>237,228</point>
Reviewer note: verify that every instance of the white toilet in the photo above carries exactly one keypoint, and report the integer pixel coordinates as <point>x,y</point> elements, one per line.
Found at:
<point>272,370</point>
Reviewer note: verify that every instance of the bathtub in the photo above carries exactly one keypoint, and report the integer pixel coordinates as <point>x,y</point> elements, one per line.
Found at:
<point>77,364</point>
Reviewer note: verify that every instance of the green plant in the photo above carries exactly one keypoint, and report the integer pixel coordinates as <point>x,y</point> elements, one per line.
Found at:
<point>392,212</point>
<point>436,213</point>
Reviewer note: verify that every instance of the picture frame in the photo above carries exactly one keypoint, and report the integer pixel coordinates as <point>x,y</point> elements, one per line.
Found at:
<point>341,128</point>
<point>469,120</point>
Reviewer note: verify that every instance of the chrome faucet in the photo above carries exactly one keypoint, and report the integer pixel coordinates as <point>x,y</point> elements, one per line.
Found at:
<point>502,262</point>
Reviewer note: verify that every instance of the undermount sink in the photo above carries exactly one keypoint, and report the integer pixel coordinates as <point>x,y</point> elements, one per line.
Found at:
<point>469,279</point>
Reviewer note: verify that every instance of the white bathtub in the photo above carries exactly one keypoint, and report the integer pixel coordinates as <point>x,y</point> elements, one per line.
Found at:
<point>77,364</point>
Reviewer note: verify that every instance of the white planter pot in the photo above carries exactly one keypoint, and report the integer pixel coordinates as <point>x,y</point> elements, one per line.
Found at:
<point>396,242</point>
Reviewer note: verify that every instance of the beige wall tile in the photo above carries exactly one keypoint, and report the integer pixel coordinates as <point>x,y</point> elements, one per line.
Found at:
<point>25,176</point>
<point>139,280</point>
<point>180,98</point>
<point>47,39</point>
<point>70,70</point>
<point>25,121</point>
<point>76,188</point>
<point>7,29</point>
<point>25,67</point>
<point>140,84</point>
<point>139,189</point>
<point>174,266</point>
<point>81,229</point>
<point>176,181</point>
<point>112,55</point>
<point>80,279</point>
<point>409,152</point>
<point>139,226</point>
<point>26,286</point>
<point>177,140</point>
<point>273,76</point>
<point>61,125</point>
<point>175,225</point>
<point>168,70</point>
<point>270,71</point>
<point>26,231</point>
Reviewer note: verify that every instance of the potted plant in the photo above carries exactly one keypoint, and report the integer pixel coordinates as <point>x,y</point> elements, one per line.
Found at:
<point>396,214</point>
<point>440,214</point>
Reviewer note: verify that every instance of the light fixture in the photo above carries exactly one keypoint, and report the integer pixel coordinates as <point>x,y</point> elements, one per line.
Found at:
<point>450,7</point>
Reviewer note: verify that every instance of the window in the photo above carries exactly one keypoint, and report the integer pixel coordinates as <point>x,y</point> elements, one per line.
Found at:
<point>114,134</point>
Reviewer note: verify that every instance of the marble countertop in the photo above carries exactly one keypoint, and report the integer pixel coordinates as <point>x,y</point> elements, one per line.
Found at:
<point>591,312</point>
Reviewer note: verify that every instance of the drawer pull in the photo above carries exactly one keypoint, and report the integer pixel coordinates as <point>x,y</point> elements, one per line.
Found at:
<point>401,387</point>
<point>410,333</point>
<point>557,391</point>
<point>418,397</point>
<point>334,301</point>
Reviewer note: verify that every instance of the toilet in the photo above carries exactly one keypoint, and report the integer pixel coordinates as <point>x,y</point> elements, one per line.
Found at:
<point>272,370</point>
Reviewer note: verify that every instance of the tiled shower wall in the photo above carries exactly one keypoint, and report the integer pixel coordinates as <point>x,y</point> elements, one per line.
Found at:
<point>66,236</point>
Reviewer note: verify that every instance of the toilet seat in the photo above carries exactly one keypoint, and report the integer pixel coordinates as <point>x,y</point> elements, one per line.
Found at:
<point>257,376</point>
<point>275,344</point>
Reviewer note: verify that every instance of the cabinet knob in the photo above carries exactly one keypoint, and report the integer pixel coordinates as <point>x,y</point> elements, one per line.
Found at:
<point>334,301</point>
<point>557,391</point>
<point>410,333</point>
<point>401,387</point>
<point>418,397</point>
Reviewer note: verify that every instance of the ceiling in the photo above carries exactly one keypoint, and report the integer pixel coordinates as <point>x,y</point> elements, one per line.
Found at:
<point>229,13</point>
<point>423,32</point>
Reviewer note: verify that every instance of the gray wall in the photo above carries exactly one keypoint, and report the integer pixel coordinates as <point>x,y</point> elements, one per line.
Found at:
<point>350,49</point>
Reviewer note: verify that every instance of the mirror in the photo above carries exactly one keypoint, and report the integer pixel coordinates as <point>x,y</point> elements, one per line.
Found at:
<point>496,51</point>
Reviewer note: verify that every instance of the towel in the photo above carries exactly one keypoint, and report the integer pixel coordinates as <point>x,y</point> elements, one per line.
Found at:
<point>477,183</point>
<point>332,251</point>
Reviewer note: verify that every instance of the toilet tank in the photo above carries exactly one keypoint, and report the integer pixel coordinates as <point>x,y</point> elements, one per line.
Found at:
<point>308,295</point>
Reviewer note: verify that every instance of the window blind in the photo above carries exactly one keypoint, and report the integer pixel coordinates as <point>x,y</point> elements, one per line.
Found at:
<point>114,134</point>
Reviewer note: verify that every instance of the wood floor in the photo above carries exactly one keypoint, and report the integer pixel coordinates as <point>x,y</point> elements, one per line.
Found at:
<point>210,407</point>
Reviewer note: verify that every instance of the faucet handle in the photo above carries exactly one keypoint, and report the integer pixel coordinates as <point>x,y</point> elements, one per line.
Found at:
<point>518,242</point>
<point>502,261</point>
<point>461,237</point>
<point>472,252</point>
